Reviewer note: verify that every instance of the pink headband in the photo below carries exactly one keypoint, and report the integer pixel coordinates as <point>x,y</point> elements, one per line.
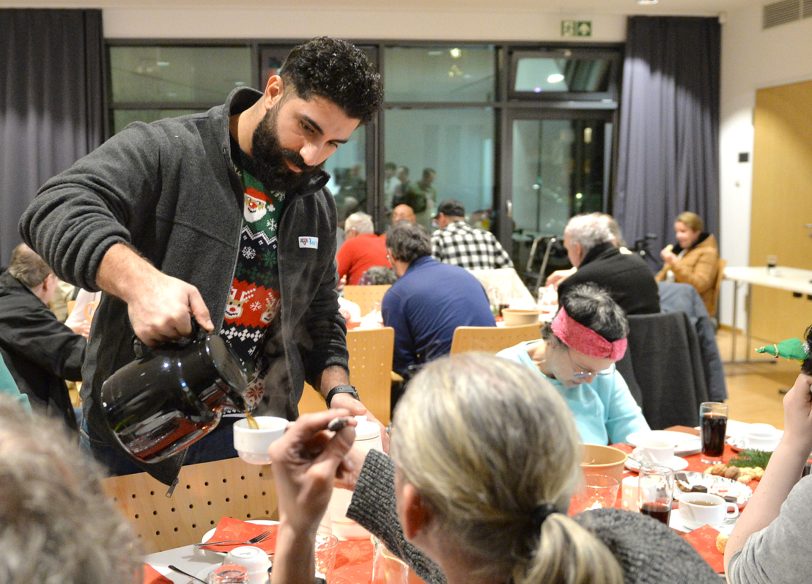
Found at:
<point>584,340</point>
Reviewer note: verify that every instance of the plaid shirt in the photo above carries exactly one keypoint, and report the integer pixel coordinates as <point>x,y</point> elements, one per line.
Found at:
<point>462,245</point>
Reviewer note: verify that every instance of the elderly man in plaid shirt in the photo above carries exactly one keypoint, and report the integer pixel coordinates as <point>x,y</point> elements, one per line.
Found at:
<point>459,244</point>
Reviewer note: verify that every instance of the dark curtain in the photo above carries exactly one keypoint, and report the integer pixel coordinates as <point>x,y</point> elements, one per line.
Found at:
<point>51,103</point>
<point>668,150</point>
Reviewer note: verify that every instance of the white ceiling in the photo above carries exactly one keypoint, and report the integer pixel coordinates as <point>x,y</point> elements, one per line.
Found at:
<point>672,7</point>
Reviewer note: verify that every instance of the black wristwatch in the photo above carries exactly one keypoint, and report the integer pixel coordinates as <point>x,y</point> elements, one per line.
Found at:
<point>341,389</point>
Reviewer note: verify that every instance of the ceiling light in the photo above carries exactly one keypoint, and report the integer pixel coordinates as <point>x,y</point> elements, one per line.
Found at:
<point>647,2</point>
<point>555,78</point>
<point>455,53</point>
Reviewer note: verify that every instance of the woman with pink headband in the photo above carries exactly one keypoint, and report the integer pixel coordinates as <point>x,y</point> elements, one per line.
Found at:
<point>576,354</point>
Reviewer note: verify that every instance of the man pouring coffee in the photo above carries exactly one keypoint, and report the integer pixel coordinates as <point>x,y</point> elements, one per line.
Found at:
<point>222,218</point>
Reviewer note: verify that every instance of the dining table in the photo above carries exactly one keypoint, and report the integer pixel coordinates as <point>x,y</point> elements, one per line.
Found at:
<point>354,558</point>
<point>702,539</point>
<point>353,564</point>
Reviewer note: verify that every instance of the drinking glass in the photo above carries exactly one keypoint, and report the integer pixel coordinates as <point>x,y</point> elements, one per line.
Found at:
<point>656,491</point>
<point>713,426</point>
<point>598,491</point>
<point>326,547</point>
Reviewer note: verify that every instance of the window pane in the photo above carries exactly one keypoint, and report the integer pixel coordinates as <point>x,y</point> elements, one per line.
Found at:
<point>558,171</point>
<point>560,75</point>
<point>457,143</point>
<point>177,74</point>
<point>347,170</point>
<point>122,118</point>
<point>440,73</point>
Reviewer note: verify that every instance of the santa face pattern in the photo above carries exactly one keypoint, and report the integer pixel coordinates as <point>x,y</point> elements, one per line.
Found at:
<point>254,298</point>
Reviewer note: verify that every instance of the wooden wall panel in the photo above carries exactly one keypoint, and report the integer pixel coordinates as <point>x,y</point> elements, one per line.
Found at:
<point>782,203</point>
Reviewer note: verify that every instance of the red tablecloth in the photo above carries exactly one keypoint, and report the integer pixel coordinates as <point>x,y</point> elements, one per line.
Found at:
<point>703,540</point>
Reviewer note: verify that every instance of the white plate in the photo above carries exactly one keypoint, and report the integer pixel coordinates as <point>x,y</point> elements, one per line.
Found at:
<point>684,443</point>
<point>717,485</point>
<point>207,536</point>
<point>676,463</point>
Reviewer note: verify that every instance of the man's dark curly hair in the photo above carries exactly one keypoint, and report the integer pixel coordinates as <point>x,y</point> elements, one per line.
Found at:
<point>338,71</point>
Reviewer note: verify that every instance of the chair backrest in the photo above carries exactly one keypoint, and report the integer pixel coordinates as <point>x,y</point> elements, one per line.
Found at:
<point>720,275</point>
<point>371,353</point>
<point>666,364</point>
<point>492,339</point>
<point>366,296</point>
<point>205,492</point>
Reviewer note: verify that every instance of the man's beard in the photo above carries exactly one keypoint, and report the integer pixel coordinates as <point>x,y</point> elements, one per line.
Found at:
<point>269,157</point>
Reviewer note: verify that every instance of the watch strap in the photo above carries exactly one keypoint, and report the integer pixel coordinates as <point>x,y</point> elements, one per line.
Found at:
<point>344,388</point>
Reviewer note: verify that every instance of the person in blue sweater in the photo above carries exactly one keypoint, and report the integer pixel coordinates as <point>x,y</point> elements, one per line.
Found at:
<point>428,301</point>
<point>576,354</point>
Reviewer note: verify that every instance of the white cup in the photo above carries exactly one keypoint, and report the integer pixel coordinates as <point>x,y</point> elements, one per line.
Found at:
<point>657,450</point>
<point>254,559</point>
<point>761,437</point>
<point>698,509</point>
<point>629,487</point>
<point>252,445</point>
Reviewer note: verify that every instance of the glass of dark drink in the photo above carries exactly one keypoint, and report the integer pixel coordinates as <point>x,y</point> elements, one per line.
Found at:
<point>656,492</point>
<point>713,426</point>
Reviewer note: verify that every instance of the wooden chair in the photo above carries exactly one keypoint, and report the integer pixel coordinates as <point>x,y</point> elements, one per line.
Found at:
<point>371,353</point>
<point>720,275</point>
<point>366,296</point>
<point>492,339</point>
<point>205,493</point>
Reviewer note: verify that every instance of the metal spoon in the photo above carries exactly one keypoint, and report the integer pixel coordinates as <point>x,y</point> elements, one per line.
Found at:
<point>179,571</point>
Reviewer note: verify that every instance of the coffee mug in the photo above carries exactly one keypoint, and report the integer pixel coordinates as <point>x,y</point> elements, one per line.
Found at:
<point>656,450</point>
<point>698,509</point>
<point>252,444</point>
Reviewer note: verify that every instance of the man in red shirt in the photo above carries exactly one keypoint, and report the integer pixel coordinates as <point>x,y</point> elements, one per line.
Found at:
<point>361,250</point>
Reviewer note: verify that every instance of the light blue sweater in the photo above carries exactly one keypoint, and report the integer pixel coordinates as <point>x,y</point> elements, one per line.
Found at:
<point>605,411</point>
<point>9,387</point>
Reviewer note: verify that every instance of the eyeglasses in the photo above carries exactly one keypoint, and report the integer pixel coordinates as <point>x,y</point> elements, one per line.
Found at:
<point>582,374</point>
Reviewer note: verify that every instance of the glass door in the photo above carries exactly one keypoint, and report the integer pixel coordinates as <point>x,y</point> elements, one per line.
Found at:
<point>557,165</point>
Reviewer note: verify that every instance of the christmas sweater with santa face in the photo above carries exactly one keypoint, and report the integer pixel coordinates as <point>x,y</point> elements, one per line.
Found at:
<point>253,301</point>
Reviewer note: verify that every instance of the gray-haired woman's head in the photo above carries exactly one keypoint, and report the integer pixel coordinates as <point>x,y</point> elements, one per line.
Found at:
<point>486,443</point>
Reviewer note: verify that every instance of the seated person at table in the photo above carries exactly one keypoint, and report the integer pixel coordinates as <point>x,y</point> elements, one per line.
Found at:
<point>459,244</point>
<point>361,250</point>
<point>403,212</point>
<point>693,259</point>
<point>57,523</point>
<point>429,300</point>
<point>576,354</point>
<point>592,243</point>
<point>771,540</point>
<point>39,351</point>
<point>484,461</point>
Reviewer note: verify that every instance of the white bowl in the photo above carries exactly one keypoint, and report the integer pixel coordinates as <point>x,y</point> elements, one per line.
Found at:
<point>252,445</point>
<point>254,559</point>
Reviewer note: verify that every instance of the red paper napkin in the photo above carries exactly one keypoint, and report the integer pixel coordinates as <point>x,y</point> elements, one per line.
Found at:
<point>703,540</point>
<point>153,576</point>
<point>229,529</point>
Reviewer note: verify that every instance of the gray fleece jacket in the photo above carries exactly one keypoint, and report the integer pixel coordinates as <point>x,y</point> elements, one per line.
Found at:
<point>171,190</point>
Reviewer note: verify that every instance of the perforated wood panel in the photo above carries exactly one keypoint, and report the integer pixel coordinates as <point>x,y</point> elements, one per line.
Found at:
<point>205,492</point>
<point>366,296</point>
<point>492,339</point>
<point>370,372</point>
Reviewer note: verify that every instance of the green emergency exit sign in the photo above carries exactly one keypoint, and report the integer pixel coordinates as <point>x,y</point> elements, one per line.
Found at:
<point>576,28</point>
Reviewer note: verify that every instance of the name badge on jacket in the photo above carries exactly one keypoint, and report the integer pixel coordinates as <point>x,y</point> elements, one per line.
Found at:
<point>308,242</point>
